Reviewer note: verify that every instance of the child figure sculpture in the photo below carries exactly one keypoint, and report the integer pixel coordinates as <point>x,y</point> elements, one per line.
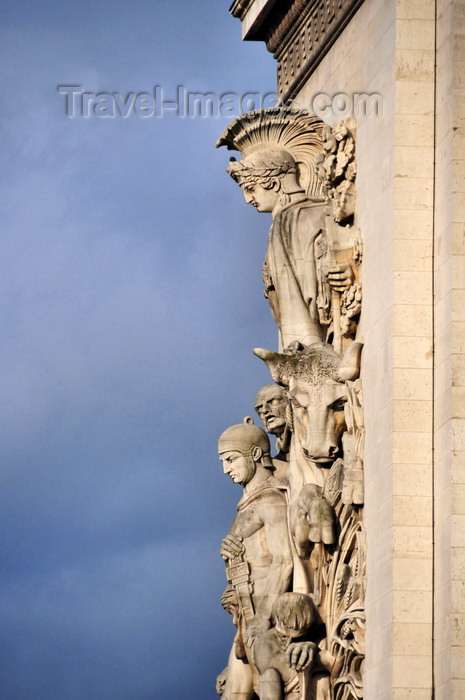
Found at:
<point>285,657</point>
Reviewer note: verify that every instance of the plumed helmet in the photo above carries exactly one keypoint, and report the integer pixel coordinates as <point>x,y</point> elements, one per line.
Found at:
<point>262,165</point>
<point>278,131</point>
<point>243,437</point>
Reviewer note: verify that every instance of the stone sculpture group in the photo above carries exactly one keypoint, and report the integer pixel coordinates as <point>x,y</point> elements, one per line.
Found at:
<point>295,552</point>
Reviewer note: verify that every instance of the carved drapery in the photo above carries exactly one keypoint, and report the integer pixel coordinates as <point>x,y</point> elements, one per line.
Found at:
<point>301,634</point>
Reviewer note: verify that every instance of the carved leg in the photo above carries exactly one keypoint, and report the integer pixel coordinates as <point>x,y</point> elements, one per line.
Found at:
<point>239,684</point>
<point>320,688</point>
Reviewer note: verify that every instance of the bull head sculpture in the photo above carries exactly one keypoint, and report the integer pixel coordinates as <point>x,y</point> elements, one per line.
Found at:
<point>315,379</point>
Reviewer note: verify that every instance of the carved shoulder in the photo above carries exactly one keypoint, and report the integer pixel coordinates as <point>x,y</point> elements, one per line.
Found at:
<point>266,651</point>
<point>271,498</point>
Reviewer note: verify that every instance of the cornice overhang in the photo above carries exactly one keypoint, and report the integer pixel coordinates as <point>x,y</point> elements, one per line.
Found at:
<point>297,32</point>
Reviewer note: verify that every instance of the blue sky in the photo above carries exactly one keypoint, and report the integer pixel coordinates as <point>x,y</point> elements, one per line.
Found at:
<point>130,301</point>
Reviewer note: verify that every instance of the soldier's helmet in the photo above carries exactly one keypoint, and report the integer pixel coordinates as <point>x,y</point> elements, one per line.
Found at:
<point>243,437</point>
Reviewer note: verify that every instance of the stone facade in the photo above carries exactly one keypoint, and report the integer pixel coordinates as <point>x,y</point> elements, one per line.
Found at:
<point>295,552</point>
<point>449,377</point>
<point>410,209</point>
<point>297,32</point>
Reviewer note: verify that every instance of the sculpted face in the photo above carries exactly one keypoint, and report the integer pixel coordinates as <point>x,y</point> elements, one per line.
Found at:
<point>289,630</point>
<point>261,198</point>
<point>270,404</point>
<point>240,468</point>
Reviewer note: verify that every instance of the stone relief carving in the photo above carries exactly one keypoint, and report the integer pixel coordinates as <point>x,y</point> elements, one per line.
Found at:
<point>272,406</point>
<point>315,379</point>
<point>295,553</point>
<point>287,656</point>
<point>257,550</point>
<point>310,261</point>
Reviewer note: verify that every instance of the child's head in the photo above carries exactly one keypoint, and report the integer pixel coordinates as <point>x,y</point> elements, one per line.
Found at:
<point>293,614</point>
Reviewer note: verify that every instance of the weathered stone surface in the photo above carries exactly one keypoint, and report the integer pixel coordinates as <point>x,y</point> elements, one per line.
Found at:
<point>299,33</point>
<point>257,550</point>
<point>272,406</point>
<point>303,531</point>
<point>302,172</point>
<point>410,209</point>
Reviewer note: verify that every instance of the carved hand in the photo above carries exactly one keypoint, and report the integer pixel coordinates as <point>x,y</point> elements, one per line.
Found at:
<point>340,277</point>
<point>221,681</point>
<point>231,547</point>
<point>301,655</point>
<point>301,536</point>
<point>229,600</point>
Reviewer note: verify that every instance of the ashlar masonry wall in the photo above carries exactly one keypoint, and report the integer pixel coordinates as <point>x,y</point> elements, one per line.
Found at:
<point>449,383</point>
<point>389,48</point>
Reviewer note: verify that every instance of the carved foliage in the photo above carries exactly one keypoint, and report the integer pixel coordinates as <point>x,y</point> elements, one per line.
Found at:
<point>306,655</point>
<point>303,172</point>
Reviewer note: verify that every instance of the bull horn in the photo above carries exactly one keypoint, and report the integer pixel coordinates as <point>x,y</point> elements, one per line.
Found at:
<point>349,369</point>
<point>271,359</point>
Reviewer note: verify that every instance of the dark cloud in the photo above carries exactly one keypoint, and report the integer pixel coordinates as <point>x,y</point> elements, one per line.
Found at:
<point>130,300</point>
